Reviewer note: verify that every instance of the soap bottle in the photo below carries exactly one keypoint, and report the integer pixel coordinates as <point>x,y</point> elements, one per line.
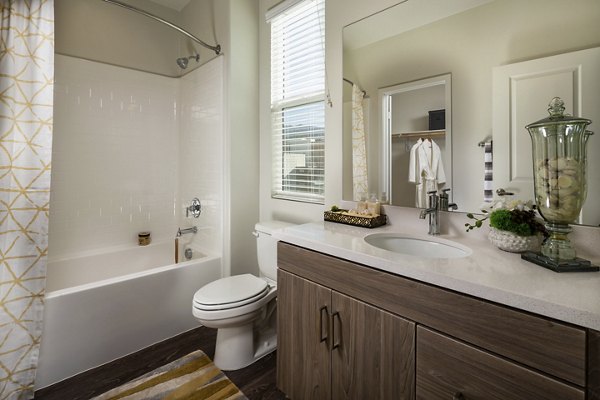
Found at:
<point>361,205</point>
<point>373,205</point>
<point>383,199</point>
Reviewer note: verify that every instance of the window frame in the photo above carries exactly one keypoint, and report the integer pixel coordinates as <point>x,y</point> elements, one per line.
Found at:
<point>314,155</point>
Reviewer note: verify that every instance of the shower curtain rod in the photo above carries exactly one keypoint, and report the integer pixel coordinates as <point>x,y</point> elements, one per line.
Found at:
<point>216,49</point>
<point>352,83</point>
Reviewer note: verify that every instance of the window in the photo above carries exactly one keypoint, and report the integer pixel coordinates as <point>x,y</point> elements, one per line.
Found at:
<point>298,101</point>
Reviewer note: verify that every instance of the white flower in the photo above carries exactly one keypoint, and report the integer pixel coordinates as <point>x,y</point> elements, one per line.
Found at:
<point>502,203</point>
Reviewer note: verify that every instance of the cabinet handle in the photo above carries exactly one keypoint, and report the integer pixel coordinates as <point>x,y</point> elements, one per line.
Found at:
<point>336,341</point>
<point>458,396</point>
<point>323,336</point>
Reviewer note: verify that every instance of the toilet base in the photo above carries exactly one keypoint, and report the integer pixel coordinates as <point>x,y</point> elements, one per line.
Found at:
<point>238,347</point>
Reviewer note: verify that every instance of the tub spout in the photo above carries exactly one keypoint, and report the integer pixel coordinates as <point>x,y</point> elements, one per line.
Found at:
<point>193,229</point>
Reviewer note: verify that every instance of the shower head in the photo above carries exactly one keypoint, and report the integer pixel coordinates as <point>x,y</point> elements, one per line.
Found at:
<point>183,61</point>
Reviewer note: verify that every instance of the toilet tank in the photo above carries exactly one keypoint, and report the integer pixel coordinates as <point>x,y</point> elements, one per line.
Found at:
<point>266,247</point>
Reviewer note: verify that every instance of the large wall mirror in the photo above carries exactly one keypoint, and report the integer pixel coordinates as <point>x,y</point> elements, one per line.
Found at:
<point>463,40</point>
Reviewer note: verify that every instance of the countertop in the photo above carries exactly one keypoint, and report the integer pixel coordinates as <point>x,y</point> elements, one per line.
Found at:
<point>487,273</point>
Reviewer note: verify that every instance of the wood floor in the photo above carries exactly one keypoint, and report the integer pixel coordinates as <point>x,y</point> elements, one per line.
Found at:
<point>256,381</point>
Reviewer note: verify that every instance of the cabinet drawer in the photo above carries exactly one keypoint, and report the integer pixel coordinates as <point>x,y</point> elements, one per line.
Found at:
<point>550,346</point>
<point>448,369</point>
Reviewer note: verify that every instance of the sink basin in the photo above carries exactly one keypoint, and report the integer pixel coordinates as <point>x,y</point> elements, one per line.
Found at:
<point>403,244</point>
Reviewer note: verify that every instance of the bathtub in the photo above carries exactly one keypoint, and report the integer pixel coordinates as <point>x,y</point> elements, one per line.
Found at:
<point>102,306</point>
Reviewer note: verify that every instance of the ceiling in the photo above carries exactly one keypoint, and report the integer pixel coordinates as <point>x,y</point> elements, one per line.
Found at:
<point>176,5</point>
<point>407,15</point>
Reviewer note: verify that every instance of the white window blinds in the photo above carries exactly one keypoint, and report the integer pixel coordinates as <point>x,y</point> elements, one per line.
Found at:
<point>297,101</point>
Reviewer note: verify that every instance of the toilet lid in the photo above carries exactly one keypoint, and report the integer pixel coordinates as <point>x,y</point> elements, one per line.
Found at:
<point>230,292</point>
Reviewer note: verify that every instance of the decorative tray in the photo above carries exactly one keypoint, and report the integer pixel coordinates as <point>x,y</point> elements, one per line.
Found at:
<point>356,220</point>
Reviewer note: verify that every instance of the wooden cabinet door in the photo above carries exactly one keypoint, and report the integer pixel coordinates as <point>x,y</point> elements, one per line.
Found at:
<point>303,356</point>
<point>372,352</point>
<point>448,369</point>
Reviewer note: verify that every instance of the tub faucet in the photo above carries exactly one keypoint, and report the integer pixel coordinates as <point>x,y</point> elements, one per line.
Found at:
<point>432,211</point>
<point>193,229</point>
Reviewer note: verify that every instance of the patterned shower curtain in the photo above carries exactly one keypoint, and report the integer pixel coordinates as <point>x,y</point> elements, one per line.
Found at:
<point>26,94</point>
<point>360,183</point>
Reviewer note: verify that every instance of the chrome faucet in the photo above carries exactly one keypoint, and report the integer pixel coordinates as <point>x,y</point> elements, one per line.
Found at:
<point>432,211</point>
<point>193,229</point>
<point>443,202</point>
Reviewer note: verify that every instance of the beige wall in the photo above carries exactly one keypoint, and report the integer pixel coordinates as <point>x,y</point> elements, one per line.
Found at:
<point>205,20</point>
<point>98,31</point>
<point>243,138</point>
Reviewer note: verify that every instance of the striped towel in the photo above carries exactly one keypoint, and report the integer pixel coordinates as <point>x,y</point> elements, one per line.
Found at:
<point>488,178</point>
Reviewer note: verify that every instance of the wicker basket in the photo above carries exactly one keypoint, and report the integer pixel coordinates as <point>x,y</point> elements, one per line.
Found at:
<point>512,242</point>
<point>355,220</point>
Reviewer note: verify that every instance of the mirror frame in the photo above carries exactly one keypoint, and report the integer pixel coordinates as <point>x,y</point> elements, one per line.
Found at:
<point>385,96</point>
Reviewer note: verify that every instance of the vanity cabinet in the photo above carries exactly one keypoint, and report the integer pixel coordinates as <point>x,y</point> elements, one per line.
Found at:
<point>347,330</point>
<point>331,346</point>
<point>449,369</point>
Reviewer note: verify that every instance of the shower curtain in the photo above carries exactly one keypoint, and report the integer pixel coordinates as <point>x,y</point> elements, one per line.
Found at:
<point>360,184</point>
<point>26,97</point>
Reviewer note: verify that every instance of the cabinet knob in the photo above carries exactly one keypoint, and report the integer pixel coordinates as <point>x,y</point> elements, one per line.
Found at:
<point>458,396</point>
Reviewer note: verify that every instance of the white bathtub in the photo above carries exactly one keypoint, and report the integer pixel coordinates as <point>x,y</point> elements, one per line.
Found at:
<point>102,306</point>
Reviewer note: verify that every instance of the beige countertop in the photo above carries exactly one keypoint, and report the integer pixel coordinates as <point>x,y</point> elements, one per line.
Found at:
<point>487,273</point>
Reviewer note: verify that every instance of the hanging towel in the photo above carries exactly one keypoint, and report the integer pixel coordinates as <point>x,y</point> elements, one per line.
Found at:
<point>360,184</point>
<point>488,192</point>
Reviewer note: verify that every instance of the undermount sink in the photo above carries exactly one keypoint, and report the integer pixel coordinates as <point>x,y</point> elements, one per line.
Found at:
<point>403,244</point>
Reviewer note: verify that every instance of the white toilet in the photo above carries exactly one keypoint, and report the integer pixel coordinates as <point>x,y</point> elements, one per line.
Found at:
<point>243,307</point>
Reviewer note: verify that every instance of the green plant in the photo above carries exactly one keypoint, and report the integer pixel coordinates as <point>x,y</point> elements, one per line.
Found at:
<point>335,208</point>
<point>521,220</point>
<point>478,221</point>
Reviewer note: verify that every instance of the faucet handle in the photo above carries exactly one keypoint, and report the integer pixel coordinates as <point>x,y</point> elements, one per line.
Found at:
<point>433,198</point>
<point>195,208</point>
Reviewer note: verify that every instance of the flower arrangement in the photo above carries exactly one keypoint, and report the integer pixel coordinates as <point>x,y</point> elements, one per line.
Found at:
<point>514,226</point>
<point>515,216</point>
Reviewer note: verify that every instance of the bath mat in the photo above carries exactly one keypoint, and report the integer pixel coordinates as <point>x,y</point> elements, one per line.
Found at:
<point>192,377</point>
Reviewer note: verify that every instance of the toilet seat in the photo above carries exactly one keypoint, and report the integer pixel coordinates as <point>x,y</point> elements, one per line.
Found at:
<point>230,292</point>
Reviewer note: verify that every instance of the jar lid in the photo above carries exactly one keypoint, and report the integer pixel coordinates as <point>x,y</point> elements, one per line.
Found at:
<point>556,109</point>
<point>144,234</point>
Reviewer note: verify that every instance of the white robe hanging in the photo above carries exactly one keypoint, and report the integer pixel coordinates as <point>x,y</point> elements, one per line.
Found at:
<point>426,170</point>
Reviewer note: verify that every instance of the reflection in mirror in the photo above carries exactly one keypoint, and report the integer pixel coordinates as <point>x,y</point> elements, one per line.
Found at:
<point>416,140</point>
<point>468,39</point>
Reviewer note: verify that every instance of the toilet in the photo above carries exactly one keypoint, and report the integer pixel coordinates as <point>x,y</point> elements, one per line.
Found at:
<point>243,307</point>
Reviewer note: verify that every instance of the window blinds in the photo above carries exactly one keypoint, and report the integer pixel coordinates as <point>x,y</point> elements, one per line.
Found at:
<point>297,101</point>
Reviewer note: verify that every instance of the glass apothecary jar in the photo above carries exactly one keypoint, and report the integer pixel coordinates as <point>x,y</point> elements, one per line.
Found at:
<point>559,171</point>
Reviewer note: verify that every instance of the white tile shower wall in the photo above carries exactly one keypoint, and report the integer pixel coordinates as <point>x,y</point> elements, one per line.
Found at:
<point>201,152</point>
<point>114,160</point>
